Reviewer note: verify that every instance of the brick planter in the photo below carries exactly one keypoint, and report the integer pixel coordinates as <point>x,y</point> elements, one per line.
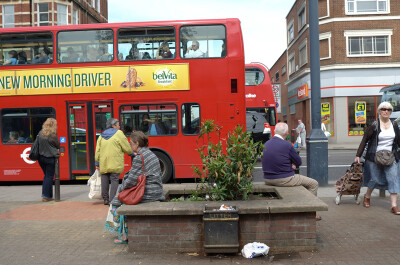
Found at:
<point>286,225</point>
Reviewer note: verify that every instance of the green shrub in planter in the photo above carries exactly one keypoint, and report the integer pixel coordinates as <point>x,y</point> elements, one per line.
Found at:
<point>226,173</point>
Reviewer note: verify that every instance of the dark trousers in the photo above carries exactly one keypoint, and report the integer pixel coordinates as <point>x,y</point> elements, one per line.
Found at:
<point>48,165</point>
<point>105,184</point>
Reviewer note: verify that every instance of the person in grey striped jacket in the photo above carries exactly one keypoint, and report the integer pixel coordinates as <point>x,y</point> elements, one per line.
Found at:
<point>153,188</point>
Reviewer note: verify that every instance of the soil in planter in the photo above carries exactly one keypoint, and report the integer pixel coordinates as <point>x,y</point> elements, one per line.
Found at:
<point>252,196</point>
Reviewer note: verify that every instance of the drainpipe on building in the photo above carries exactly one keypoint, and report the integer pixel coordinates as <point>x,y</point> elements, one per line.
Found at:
<point>317,143</point>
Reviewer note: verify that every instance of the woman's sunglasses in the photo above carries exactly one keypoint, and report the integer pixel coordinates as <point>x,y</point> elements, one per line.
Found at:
<point>383,109</point>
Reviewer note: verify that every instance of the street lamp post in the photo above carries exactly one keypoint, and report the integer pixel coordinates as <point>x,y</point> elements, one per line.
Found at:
<point>317,143</point>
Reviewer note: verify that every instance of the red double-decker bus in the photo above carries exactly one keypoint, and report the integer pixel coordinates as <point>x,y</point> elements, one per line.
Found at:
<point>260,103</point>
<point>163,78</point>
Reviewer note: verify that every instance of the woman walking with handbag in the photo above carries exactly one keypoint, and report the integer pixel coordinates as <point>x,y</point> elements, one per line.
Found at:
<point>381,159</point>
<point>48,150</point>
<point>144,163</point>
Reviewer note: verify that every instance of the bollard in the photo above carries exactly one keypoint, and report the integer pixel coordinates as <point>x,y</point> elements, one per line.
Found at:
<point>57,180</point>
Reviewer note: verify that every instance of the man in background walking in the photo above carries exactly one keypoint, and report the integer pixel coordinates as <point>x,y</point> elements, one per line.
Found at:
<point>301,130</point>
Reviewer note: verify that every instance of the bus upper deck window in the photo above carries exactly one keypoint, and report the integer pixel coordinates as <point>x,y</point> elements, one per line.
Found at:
<point>26,48</point>
<point>136,44</point>
<point>82,46</point>
<point>206,41</point>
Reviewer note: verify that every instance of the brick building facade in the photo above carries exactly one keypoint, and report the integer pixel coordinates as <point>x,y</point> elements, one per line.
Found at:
<point>26,13</point>
<point>358,56</point>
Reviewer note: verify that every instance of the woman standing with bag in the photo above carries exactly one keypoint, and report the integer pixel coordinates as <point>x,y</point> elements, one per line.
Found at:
<point>381,159</point>
<point>116,224</point>
<point>48,150</point>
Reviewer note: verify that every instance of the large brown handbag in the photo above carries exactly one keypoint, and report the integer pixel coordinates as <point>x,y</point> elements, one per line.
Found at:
<point>134,195</point>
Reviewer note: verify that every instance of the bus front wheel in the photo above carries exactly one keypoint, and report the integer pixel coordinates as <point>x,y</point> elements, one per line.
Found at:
<point>166,166</point>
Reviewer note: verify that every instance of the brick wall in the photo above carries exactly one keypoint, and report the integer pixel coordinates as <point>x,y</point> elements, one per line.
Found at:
<point>283,232</point>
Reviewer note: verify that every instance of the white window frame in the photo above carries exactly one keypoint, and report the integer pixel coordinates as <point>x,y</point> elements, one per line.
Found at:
<point>62,14</point>
<point>93,3</point>
<point>290,29</point>
<point>283,69</point>
<point>356,2</point>
<point>291,69</point>
<point>369,33</point>
<point>98,6</point>
<point>9,15</point>
<point>39,13</point>
<point>324,36</point>
<point>303,48</point>
<point>75,17</point>
<point>302,9</point>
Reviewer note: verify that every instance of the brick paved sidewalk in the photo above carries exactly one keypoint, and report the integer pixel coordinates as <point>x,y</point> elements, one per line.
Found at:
<point>72,232</point>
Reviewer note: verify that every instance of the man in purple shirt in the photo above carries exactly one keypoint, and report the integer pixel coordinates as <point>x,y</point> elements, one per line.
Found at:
<point>279,161</point>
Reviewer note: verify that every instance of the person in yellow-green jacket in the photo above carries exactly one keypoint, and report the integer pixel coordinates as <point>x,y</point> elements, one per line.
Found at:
<point>110,148</point>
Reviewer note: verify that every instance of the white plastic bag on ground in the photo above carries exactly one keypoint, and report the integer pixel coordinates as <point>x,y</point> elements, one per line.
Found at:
<point>254,249</point>
<point>95,186</point>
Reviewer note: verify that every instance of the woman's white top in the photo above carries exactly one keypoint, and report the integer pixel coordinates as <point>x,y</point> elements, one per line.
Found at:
<point>385,139</point>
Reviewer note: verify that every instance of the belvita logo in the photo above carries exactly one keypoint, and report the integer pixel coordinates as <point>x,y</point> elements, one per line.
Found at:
<point>164,76</point>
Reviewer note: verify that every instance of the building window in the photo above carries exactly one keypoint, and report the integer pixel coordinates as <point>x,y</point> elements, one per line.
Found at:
<point>290,31</point>
<point>291,64</point>
<point>283,69</point>
<point>367,6</point>
<point>75,18</point>
<point>301,16</point>
<point>93,3</point>
<point>368,43</point>
<point>277,76</point>
<point>325,46</point>
<point>327,114</point>
<point>98,6</point>
<point>43,14</point>
<point>303,59</point>
<point>62,14</point>
<point>8,16</point>
<point>362,113</point>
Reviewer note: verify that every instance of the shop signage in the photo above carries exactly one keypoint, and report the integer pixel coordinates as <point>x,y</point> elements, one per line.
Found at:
<point>360,112</point>
<point>325,112</point>
<point>302,92</point>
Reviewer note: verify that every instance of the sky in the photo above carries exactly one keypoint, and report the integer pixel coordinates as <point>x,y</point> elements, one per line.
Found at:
<point>263,21</point>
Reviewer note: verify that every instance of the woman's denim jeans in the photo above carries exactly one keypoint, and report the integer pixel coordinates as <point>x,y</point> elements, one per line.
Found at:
<point>48,165</point>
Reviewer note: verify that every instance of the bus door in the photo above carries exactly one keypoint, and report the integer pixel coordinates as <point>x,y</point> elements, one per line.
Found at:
<point>86,121</point>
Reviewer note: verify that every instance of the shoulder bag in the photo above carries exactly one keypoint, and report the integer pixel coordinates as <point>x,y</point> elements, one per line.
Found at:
<point>383,158</point>
<point>34,154</point>
<point>134,195</point>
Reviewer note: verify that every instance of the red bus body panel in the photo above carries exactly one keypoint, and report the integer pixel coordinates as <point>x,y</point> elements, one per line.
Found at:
<point>210,86</point>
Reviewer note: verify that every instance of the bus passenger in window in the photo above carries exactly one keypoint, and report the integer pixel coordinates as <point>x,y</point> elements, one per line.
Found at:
<point>13,58</point>
<point>145,125</point>
<point>105,55</point>
<point>163,51</point>
<point>43,57</point>
<point>92,54</point>
<point>146,56</point>
<point>193,51</point>
<point>22,58</point>
<point>72,56</point>
<point>13,137</point>
<point>133,53</point>
<point>223,52</point>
